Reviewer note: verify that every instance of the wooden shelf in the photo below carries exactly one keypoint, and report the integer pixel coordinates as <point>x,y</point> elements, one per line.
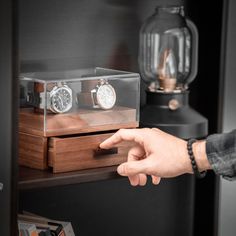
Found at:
<point>32,178</point>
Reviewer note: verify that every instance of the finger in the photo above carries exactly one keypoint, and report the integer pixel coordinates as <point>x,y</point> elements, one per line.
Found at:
<point>142,179</point>
<point>123,135</point>
<point>155,179</point>
<point>132,168</point>
<point>134,180</point>
<point>136,153</point>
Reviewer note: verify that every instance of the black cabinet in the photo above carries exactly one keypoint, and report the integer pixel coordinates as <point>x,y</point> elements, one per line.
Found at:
<point>8,118</point>
<point>57,35</point>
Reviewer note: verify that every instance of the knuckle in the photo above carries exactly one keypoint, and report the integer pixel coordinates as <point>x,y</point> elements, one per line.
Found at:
<point>128,169</point>
<point>146,129</point>
<point>121,130</point>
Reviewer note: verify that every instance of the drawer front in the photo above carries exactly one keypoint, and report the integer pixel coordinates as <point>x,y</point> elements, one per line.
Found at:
<point>82,152</point>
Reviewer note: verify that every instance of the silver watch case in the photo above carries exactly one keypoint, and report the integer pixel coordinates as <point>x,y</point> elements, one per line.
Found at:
<point>53,105</point>
<point>103,95</point>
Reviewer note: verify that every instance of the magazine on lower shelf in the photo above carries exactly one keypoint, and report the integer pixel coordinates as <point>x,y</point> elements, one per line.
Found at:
<point>33,225</point>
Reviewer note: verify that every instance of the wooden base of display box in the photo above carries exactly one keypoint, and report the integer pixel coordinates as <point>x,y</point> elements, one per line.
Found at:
<point>84,121</point>
<point>64,154</point>
<point>69,142</point>
<point>33,151</point>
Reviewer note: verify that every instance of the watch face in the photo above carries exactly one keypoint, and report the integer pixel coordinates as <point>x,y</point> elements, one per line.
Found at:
<point>61,99</point>
<point>106,96</point>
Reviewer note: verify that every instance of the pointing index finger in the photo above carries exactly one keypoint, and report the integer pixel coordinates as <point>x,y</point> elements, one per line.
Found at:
<point>123,135</point>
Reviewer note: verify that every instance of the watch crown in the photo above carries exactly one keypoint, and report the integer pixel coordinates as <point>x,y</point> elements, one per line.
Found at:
<point>102,81</point>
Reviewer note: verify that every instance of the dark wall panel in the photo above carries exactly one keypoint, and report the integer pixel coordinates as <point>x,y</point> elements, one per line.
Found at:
<point>8,118</point>
<point>227,116</point>
<point>116,208</point>
<point>60,35</point>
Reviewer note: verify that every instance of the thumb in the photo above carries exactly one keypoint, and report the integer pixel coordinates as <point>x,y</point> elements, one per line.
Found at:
<point>131,168</point>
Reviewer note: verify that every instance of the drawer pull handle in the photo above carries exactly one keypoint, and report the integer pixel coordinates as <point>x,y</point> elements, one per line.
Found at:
<point>101,152</point>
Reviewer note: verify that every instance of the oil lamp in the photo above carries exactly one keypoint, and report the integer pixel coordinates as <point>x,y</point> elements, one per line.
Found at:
<point>168,60</point>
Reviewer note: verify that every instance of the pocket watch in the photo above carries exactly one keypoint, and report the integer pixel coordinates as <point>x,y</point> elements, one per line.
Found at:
<point>57,100</point>
<point>103,95</point>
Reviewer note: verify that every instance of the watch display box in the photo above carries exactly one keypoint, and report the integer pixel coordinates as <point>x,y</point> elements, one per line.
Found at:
<point>78,101</point>
<point>72,105</point>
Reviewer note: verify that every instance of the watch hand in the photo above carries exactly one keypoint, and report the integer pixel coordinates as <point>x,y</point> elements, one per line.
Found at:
<point>61,102</point>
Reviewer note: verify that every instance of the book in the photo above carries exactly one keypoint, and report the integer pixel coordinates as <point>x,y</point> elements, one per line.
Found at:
<point>27,229</point>
<point>57,228</point>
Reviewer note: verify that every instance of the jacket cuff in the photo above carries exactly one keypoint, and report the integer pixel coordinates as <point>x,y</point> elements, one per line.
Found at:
<point>221,154</point>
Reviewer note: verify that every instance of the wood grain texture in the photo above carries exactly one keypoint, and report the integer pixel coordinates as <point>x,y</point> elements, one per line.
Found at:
<point>77,153</point>
<point>83,121</point>
<point>33,151</point>
<point>68,153</point>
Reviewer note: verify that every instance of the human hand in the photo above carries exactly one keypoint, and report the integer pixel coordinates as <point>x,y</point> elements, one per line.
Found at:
<point>156,153</point>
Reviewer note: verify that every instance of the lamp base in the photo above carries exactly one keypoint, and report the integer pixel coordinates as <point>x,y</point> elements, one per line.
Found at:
<point>171,113</point>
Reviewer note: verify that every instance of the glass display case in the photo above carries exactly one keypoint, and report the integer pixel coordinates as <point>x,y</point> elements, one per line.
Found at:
<point>65,115</point>
<point>78,101</point>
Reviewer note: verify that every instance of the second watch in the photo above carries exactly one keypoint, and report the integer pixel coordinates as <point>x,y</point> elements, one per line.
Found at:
<point>103,95</point>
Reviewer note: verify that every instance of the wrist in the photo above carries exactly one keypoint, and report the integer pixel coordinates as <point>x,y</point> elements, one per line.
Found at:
<point>199,151</point>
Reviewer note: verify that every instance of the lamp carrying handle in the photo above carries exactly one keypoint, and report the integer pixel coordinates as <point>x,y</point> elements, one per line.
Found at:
<point>194,51</point>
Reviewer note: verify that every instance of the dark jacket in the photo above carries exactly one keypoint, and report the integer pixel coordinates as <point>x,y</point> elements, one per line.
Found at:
<point>221,153</point>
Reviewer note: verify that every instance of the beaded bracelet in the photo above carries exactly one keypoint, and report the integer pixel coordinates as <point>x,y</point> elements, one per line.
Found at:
<point>197,173</point>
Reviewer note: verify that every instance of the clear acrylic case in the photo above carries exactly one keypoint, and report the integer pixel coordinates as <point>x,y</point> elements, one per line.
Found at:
<point>78,101</point>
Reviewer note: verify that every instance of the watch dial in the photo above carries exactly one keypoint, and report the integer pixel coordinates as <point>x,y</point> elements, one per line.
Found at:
<point>106,96</point>
<point>61,100</point>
